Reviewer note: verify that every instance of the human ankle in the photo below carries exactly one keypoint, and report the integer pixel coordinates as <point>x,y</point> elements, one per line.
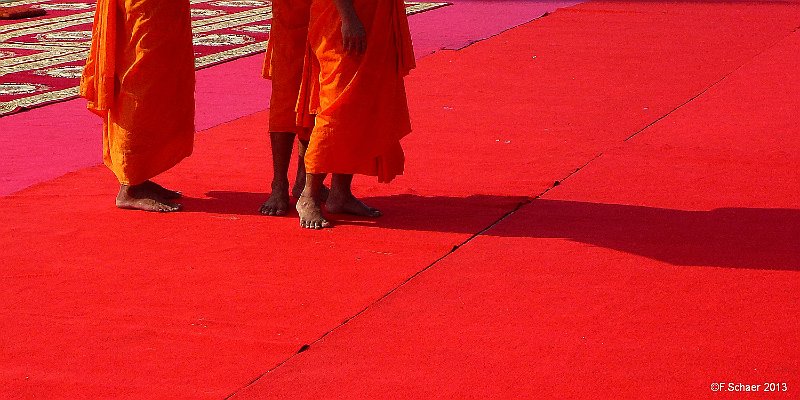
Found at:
<point>280,184</point>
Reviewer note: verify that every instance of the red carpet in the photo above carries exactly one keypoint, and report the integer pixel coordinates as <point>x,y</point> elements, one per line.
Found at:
<point>667,264</point>
<point>468,21</point>
<point>572,296</point>
<point>197,304</point>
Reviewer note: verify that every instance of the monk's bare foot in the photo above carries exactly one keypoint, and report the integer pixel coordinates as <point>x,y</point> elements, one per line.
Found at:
<point>310,213</point>
<point>299,184</point>
<point>140,198</point>
<point>278,201</point>
<point>161,191</point>
<point>348,204</point>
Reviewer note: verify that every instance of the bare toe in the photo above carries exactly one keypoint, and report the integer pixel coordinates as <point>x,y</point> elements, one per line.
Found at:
<point>277,204</point>
<point>172,207</point>
<point>310,214</point>
<point>166,208</point>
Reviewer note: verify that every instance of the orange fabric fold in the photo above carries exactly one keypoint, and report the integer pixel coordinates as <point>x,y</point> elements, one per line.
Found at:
<point>139,77</point>
<point>359,102</point>
<point>97,82</point>
<point>283,62</point>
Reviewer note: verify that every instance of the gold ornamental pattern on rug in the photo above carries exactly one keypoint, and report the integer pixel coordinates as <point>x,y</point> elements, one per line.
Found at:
<point>41,59</point>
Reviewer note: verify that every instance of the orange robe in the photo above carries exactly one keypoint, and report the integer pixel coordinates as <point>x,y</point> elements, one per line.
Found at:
<point>139,78</point>
<point>359,101</point>
<point>283,63</point>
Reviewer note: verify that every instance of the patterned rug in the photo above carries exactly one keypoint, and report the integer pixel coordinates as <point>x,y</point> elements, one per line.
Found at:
<point>41,59</point>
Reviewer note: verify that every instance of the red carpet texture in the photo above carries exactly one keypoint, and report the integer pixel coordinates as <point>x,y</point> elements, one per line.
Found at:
<point>666,266</point>
<point>663,262</point>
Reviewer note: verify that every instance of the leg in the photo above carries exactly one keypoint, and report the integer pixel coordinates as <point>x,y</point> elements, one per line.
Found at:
<point>278,201</point>
<point>342,201</point>
<point>140,197</point>
<point>300,180</point>
<point>308,205</point>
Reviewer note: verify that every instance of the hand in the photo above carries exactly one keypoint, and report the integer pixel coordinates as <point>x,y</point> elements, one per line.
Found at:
<point>354,37</point>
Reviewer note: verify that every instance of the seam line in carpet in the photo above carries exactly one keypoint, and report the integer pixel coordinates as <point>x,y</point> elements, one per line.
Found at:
<point>715,83</point>
<point>471,42</point>
<point>529,200</point>
<point>306,347</point>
